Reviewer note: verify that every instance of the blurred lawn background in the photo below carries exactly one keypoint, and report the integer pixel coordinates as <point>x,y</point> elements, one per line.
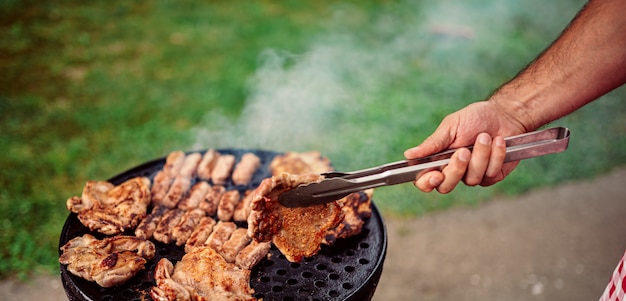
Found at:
<point>89,89</point>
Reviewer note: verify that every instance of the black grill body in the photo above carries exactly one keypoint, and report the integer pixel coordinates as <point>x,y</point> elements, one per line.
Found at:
<point>347,270</point>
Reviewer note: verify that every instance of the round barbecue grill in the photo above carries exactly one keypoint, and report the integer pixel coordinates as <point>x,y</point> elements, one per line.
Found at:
<point>347,270</point>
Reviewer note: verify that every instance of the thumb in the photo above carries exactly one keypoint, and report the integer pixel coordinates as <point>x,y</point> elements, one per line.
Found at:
<point>436,142</point>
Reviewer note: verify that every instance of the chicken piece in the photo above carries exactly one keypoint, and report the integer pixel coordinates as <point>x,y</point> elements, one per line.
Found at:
<point>108,262</point>
<point>242,210</point>
<point>200,234</point>
<point>245,169</point>
<point>182,231</point>
<point>163,179</point>
<point>205,168</point>
<point>356,207</point>
<point>296,232</point>
<point>237,241</point>
<point>221,233</point>
<point>195,196</point>
<point>111,209</point>
<point>252,254</point>
<point>222,169</point>
<point>146,228</point>
<point>227,204</point>
<point>170,219</point>
<point>212,200</point>
<point>300,163</point>
<point>201,274</point>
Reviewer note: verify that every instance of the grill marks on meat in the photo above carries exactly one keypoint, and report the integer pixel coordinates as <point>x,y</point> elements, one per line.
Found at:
<point>188,222</point>
<point>202,274</point>
<point>227,204</point>
<point>195,196</point>
<point>163,179</point>
<point>149,224</point>
<point>212,199</point>
<point>182,182</point>
<point>296,232</point>
<point>108,262</point>
<point>111,209</point>
<point>200,234</point>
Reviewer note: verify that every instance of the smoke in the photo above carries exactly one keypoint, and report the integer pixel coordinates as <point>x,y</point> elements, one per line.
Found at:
<point>335,96</point>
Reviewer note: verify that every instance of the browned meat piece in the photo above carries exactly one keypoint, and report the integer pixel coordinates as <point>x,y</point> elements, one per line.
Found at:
<point>182,181</point>
<point>226,206</point>
<point>182,231</point>
<point>163,179</point>
<point>242,210</point>
<point>356,208</point>
<point>200,234</point>
<point>205,168</point>
<point>212,199</point>
<point>221,233</point>
<point>222,169</point>
<point>190,165</point>
<point>148,225</point>
<point>112,209</point>
<point>237,241</point>
<point>296,232</point>
<point>177,190</point>
<point>252,254</point>
<point>195,196</point>
<point>171,218</point>
<point>300,163</point>
<point>108,262</point>
<point>201,274</point>
<point>245,169</point>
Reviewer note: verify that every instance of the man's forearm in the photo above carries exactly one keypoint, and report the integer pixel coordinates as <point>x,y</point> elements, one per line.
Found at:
<point>587,61</point>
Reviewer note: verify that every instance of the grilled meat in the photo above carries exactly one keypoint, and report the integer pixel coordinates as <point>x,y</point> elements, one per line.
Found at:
<point>205,168</point>
<point>111,209</point>
<point>237,241</point>
<point>149,224</point>
<point>246,168</point>
<point>188,222</point>
<point>212,199</point>
<point>296,232</point>
<point>200,234</point>
<point>252,254</point>
<point>109,261</point>
<point>300,163</point>
<point>163,179</point>
<point>222,169</point>
<point>202,274</point>
<point>169,220</point>
<point>195,196</point>
<point>227,204</point>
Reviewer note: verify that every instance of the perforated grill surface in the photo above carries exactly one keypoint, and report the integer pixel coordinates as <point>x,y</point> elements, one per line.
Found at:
<point>348,270</point>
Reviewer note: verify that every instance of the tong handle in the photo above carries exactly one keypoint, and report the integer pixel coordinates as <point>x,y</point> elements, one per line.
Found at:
<point>525,146</point>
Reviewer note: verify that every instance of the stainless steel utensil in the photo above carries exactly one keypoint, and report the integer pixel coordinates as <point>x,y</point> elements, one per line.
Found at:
<point>336,185</point>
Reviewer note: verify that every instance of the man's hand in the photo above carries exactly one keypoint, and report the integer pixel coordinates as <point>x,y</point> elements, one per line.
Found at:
<point>483,125</point>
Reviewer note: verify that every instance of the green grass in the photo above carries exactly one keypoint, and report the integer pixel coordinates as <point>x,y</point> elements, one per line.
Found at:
<point>90,89</point>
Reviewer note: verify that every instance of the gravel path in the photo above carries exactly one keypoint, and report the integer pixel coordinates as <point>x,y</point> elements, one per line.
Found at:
<point>560,243</point>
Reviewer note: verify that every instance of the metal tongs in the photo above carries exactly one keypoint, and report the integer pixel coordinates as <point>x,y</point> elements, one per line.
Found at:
<point>337,185</point>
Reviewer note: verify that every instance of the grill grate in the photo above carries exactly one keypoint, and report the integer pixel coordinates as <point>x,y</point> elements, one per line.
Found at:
<point>348,270</point>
